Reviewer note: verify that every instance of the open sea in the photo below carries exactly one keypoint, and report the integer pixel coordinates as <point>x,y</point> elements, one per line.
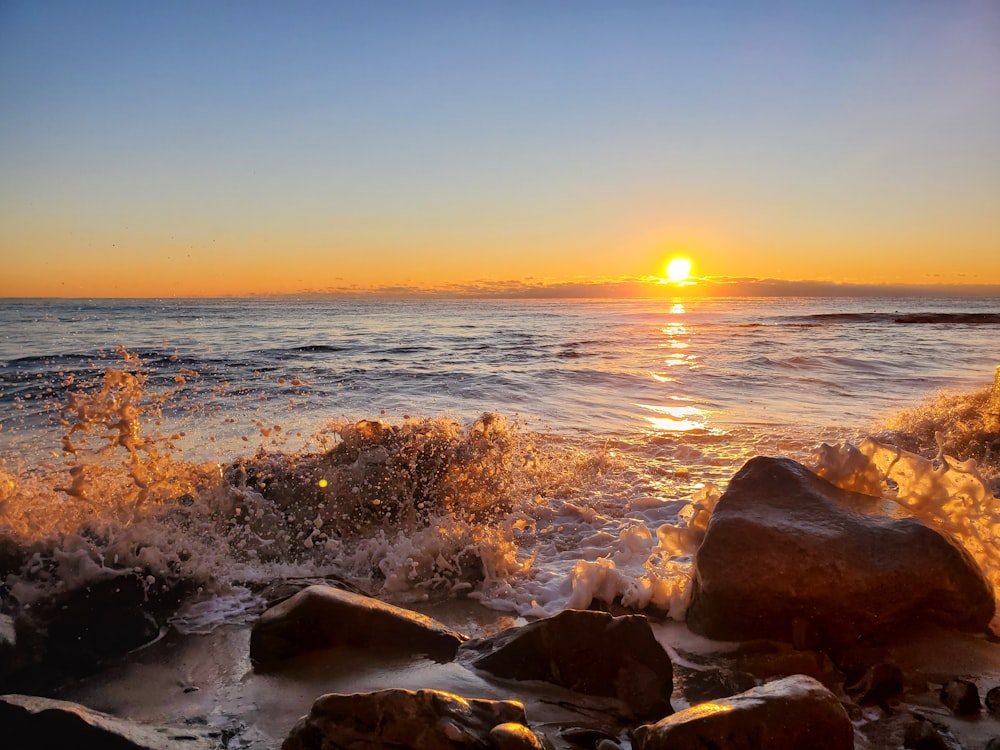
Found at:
<point>532,455</point>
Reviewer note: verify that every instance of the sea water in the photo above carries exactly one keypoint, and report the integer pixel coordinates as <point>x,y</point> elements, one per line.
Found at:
<point>531,455</point>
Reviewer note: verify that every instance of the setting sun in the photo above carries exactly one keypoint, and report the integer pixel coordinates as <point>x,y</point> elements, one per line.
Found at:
<point>678,270</point>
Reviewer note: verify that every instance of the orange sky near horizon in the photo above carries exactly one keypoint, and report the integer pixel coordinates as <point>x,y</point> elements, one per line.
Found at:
<point>191,150</point>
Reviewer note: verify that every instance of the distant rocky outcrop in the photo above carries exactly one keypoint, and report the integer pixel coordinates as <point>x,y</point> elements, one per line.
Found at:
<point>788,714</point>
<point>587,652</point>
<point>789,556</point>
<point>32,723</point>
<point>321,617</point>
<point>418,720</point>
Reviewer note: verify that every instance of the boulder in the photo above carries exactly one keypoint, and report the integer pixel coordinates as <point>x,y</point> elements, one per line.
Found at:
<point>787,552</point>
<point>323,617</point>
<point>789,714</point>
<point>32,723</point>
<point>405,719</point>
<point>922,735</point>
<point>880,683</point>
<point>961,697</point>
<point>588,652</point>
<point>514,736</point>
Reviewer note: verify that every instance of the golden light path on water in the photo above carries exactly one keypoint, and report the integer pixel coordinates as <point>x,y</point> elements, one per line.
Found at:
<point>681,415</point>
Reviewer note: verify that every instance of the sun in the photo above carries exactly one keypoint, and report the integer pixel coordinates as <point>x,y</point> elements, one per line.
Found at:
<point>678,270</point>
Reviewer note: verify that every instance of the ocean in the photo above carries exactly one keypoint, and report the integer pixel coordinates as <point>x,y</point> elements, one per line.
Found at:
<point>529,455</point>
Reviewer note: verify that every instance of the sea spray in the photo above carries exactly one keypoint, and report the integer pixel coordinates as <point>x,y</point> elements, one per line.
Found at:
<point>425,507</point>
<point>945,493</point>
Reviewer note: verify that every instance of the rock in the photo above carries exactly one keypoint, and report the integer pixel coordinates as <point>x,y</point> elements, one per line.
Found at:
<point>961,697</point>
<point>588,652</point>
<point>784,546</point>
<point>421,720</point>
<point>788,714</point>
<point>105,618</point>
<point>921,735</point>
<point>878,684</point>
<point>514,736</point>
<point>323,617</point>
<point>586,737</point>
<point>993,699</point>
<point>32,723</point>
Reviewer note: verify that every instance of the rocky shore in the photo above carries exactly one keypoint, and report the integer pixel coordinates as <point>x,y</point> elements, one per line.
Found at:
<point>820,618</point>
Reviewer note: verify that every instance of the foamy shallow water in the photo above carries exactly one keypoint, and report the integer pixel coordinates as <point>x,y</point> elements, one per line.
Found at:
<point>234,442</point>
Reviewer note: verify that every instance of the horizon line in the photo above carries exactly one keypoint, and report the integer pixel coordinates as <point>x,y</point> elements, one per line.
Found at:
<point>623,288</point>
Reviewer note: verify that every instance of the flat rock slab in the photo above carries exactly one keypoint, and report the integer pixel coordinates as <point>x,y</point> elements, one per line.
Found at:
<point>31,723</point>
<point>588,652</point>
<point>321,617</point>
<point>787,553</point>
<point>793,713</point>
<point>407,719</point>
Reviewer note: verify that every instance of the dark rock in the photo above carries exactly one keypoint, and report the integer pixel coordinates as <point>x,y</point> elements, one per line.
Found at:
<point>784,546</point>
<point>587,652</point>
<point>322,617</point>
<point>788,714</point>
<point>32,723</point>
<point>421,720</point>
<point>993,700</point>
<point>13,556</point>
<point>961,697</point>
<point>878,684</point>
<point>922,735</point>
<point>75,632</point>
<point>105,618</point>
<point>993,744</point>
<point>586,737</point>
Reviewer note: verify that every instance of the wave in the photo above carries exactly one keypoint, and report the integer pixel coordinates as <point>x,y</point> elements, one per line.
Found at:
<point>922,318</point>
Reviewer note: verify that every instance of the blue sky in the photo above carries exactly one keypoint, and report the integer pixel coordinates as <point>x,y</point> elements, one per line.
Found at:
<point>387,143</point>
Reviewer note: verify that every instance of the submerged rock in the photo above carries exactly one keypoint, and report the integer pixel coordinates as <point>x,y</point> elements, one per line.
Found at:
<point>786,551</point>
<point>587,652</point>
<point>32,723</point>
<point>788,714</point>
<point>406,719</point>
<point>323,617</point>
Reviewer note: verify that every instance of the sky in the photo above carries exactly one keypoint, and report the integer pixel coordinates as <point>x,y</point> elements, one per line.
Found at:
<point>229,148</point>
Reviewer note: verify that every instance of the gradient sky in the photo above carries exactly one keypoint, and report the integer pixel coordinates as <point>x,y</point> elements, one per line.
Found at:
<point>188,148</point>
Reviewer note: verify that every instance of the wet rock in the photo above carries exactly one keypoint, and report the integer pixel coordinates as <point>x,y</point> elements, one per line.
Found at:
<point>961,697</point>
<point>420,720</point>
<point>32,723</point>
<point>105,618</point>
<point>993,700</point>
<point>75,632</point>
<point>588,652</point>
<point>922,735</point>
<point>322,617</point>
<point>878,684</point>
<point>784,546</point>
<point>8,647</point>
<point>586,737</point>
<point>787,714</point>
<point>514,736</point>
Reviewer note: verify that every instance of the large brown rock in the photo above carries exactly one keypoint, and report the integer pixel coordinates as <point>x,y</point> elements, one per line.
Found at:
<point>587,652</point>
<point>31,723</point>
<point>323,617</point>
<point>403,719</point>
<point>787,554</point>
<point>794,713</point>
